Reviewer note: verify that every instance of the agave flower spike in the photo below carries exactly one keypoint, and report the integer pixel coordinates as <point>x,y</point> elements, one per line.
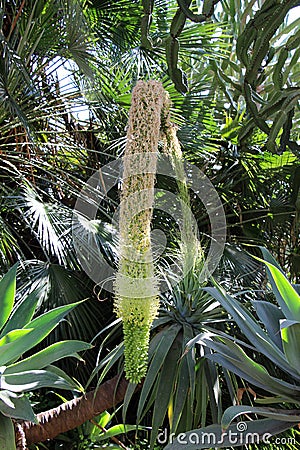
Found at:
<point>136,284</point>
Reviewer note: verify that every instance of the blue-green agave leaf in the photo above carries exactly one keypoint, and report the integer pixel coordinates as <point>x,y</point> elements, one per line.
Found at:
<point>233,412</point>
<point>7,433</point>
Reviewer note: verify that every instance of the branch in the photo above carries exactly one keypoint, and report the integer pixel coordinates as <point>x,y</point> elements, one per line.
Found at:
<point>74,413</point>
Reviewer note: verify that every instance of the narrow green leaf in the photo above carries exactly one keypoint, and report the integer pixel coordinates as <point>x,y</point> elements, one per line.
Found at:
<point>188,334</point>
<point>249,326</point>
<point>281,286</point>
<point>47,356</point>
<point>290,334</point>
<point>288,298</point>
<point>54,316</point>
<point>270,315</point>
<point>22,314</point>
<point>73,383</point>
<point>7,433</point>
<point>103,419</point>
<point>11,337</point>
<point>166,382</point>
<point>233,412</point>
<point>167,337</point>
<point>233,358</point>
<point>198,413</point>
<point>213,387</point>
<point>270,400</point>
<point>182,389</point>
<point>107,363</point>
<point>131,388</point>
<point>7,294</point>
<point>268,257</point>
<point>34,379</point>
<point>41,327</point>
<point>89,429</point>
<point>117,430</point>
<point>10,342</point>
<point>255,376</point>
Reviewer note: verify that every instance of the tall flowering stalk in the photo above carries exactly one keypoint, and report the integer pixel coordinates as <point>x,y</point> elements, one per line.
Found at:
<point>136,285</point>
<point>191,251</point>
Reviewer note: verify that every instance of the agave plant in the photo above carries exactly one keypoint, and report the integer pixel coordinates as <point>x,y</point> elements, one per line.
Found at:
<point>19,333</point>
<point>187,390</point>
<point>182,389</point>
<point>276,335</point>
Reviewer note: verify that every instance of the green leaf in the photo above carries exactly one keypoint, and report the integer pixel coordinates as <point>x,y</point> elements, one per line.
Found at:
<point>254,375</point>
<point>290,335</point>
<point>7,433</point>
<point>22,314</point>
<point>233,412</point>
<point>181,393</point>
<point>213,387</point>
<point>165,385</point>
<point>11,337</point>
<point>167,337</point>
<point>34,379</point>
<point>213,435</point>
<point>131,388</point>
<point>107,362</point>
<point>10,342</point>
<point>116,430</point>
<point>93,430</point>
<point>288,298</point>
<point>250,327</point>
<point>233,358</point>
<point>268,257</point>
<point>103,419</point>
<point>198,413</point>
<point>15,406</point>
<point>53,317</point>
<point>73,383</point>
<point>47,356</point>
<point>270,315</point>
<point>7,294</point>
<point>270,400</point>
<point>41,327</point>
<point>188,334</point>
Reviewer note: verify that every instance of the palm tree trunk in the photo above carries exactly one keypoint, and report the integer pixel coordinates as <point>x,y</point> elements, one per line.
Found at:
<point>71,414</point>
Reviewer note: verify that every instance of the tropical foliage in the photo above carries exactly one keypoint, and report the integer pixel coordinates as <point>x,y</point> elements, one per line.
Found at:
<point>19,334</point>
<point>274,335</point>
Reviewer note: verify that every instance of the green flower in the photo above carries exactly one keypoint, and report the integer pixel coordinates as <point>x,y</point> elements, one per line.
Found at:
<point>136,286</point>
